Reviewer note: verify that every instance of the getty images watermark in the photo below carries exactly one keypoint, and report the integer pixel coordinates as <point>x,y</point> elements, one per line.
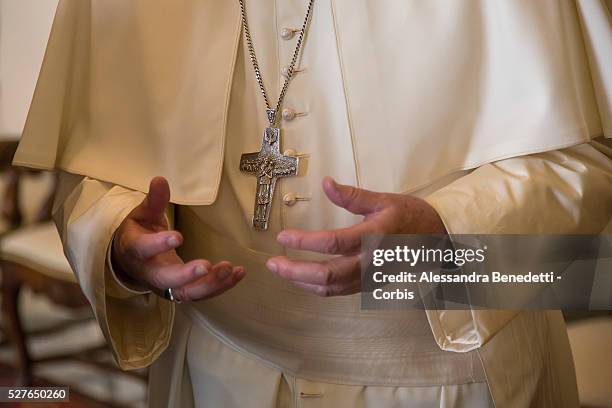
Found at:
<point>487,271</point>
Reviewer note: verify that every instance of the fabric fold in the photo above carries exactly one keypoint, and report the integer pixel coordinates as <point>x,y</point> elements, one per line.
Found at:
<point>87,212</point>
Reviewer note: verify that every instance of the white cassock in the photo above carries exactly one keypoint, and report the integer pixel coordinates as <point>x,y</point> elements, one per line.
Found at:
<point>487,109</point>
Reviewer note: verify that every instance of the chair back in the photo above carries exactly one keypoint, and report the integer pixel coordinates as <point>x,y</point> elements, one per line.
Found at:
<point>27,195</point>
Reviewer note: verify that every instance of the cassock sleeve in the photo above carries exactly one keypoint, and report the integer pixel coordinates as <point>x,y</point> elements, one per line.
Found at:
<point>87,212</point>
<point>596,22</point>
<point>558,192</point>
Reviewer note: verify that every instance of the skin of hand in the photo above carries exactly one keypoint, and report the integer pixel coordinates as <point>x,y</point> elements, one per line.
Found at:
<point>383,213</point>
<point>143,254</point>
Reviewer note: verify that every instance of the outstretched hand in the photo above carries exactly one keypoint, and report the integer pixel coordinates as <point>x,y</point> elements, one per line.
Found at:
<point>383,213</point>
<point>144,256</point>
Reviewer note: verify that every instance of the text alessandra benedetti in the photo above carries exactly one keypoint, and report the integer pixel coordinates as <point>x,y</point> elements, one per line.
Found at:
<point>473,277</point>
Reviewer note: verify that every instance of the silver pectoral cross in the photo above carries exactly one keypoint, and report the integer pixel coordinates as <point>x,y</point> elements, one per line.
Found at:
<point>267,165</point>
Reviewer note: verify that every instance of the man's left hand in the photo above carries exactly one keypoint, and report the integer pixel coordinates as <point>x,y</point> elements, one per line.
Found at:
<point>383,213</point>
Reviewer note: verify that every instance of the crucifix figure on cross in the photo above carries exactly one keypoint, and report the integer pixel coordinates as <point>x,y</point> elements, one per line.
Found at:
<point>267,165</point>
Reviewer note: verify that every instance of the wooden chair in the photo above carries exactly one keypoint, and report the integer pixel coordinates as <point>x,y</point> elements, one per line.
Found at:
<point>32,256</point>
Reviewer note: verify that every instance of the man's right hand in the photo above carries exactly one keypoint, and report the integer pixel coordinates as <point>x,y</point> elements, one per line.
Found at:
<point>143,254</point>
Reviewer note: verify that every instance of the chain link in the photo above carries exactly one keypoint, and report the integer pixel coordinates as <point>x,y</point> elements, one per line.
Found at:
<point>247,35</point>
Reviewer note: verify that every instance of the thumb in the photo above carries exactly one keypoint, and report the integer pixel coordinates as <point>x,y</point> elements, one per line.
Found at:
<point>154,204</point>
<point>353,199</point>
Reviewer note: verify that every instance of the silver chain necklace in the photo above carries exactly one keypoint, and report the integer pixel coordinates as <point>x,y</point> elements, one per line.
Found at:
<point>298,46</point>
<point>268,164</point>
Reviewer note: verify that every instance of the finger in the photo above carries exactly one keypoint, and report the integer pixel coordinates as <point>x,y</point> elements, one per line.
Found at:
<point>204,287</point>
<point>147,245</point>
<point>176,275</point>
<point>353,199</point>
<point>238,272</point>
<point>331,290</point>
<point>335,271</point>
<point>339,241</point>
<point>222,270</point>
<point>154,204</point>
<point>221,279</point>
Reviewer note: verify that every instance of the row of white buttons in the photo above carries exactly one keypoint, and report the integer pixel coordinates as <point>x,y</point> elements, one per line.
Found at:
<point>289,114</point>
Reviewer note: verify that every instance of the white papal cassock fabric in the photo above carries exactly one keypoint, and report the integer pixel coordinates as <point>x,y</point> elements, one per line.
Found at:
<point>472,105</point>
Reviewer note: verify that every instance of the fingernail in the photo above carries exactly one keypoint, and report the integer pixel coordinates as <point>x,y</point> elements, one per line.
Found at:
<point>272,266</point>
<point>172,241</point>
<point>223,273</point>
<point>332,182</point>
<point>200,270</point>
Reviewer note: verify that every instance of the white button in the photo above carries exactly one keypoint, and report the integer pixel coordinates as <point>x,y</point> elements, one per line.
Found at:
<point>288,33</point>
<point>290,199</point>
<point>290,152</point>
<point>289,114</point>
<point>285,71</point>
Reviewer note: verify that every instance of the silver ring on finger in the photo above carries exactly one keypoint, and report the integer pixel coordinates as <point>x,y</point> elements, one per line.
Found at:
<point>169,295</point>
